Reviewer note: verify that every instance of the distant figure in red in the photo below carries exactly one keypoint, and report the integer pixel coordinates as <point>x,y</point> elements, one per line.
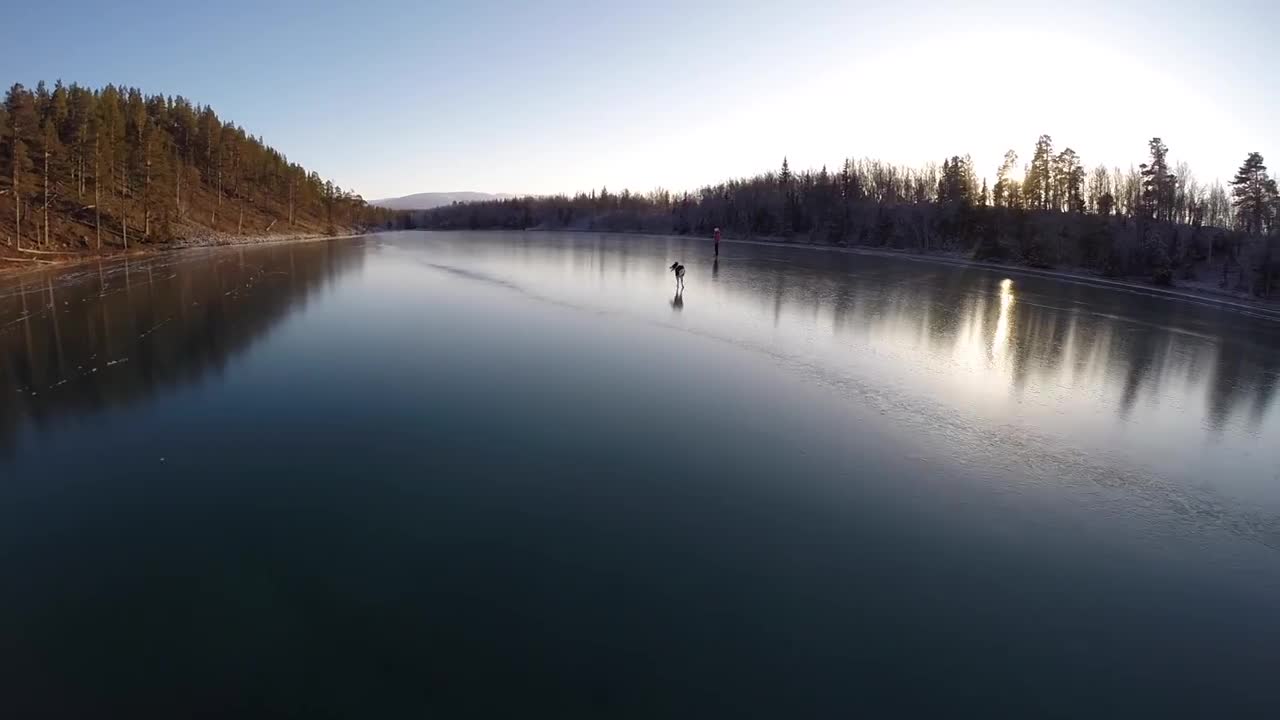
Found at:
<point>717,235</point>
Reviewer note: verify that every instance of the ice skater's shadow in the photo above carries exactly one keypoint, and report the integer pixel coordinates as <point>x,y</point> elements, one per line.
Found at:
<point>677,302</point>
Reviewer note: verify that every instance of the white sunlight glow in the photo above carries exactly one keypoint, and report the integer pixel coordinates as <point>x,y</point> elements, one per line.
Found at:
<point>907,106</point>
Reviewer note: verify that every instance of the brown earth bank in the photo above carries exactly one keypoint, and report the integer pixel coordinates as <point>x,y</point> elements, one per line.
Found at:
<point>14,262</point>
<point>75,228</point>
<point>100,172</point>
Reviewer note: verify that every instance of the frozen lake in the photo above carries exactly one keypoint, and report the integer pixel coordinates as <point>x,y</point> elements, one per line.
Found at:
<point>514,473</point>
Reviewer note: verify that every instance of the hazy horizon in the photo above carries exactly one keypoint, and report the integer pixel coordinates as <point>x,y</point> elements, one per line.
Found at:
<point>392,99</point>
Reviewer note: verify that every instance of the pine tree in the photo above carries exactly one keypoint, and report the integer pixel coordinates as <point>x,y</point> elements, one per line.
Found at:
<point>112,147</point>
<point>1255,196</point>
<point>80,112</point>
<point>56,134</point>
<point>1106,204</point>
<point>95,132</point>
<point>970,179</point>
<point>1005,192</point>
<point>135,159</point>
<point>1099,185</point>
<point>1068,182</point>
<point>957,181</point>
<point>60,110</point>
<point>144,154</point>
<point>295,173</point>
<point>785,180</point>
<point>330,199</point>
<point>184,123</point>
<point>22,123</point>
<point>1037,190</point>
<point>1157,182</point>
<point>51,157</point>
<point>4,133</point>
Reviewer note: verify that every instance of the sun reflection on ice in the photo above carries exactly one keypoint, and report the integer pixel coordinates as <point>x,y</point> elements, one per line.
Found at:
<point>1000,341</point>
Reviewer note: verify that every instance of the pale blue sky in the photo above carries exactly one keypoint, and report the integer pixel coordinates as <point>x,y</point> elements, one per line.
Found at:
<point>390,97</point>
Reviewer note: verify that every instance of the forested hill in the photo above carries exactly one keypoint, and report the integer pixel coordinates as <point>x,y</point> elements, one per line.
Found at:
<point>1155,221</point>
<point>110,168</point>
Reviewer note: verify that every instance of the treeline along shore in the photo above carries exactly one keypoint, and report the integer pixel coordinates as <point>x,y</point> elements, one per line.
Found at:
<point>1156,222</point>
<point>100,171</point>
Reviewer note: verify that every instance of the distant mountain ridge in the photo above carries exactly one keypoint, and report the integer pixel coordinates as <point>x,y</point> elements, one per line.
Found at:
<point>429,200</point>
